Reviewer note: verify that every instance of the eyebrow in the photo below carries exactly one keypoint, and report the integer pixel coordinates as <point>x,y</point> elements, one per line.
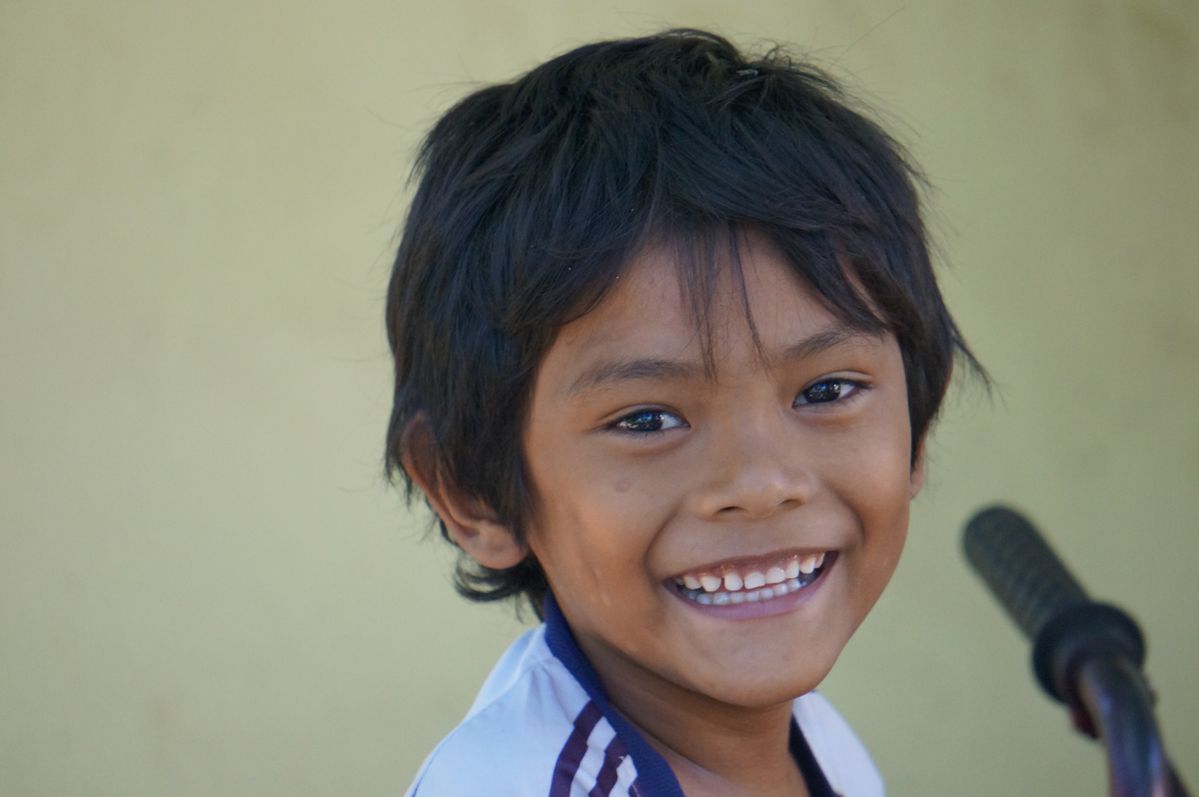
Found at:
<point>829,338</point>
<point>606,374</point>
<point>611,372</point>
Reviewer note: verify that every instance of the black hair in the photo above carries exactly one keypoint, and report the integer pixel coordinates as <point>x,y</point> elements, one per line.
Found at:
<point>534,194</point>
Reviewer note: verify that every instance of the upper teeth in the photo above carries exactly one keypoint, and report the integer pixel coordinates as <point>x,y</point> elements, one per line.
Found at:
<point>735,580</point>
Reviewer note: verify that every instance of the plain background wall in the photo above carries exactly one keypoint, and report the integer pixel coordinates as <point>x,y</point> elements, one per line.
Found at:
<point>205,586</point>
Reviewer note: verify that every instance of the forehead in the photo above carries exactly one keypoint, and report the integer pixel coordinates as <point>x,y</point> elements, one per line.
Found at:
<point>751,307</point>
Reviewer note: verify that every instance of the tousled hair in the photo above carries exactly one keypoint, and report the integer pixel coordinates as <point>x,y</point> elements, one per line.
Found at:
<point>534,195</point>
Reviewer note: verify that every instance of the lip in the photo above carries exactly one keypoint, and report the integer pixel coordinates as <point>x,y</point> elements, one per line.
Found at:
<point>768,608</point>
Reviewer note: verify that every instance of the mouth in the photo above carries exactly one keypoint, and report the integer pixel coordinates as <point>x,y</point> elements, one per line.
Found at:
<point>759,581</point>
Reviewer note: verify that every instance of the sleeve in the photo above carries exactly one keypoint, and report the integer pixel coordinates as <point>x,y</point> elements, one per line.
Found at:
<point>471,762</point>
<point>491,754</point>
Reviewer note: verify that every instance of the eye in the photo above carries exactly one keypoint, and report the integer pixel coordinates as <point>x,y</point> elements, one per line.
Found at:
<point>827,391</point>
<point>648,421</point>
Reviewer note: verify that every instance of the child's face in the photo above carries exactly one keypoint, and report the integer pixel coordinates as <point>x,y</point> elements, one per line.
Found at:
<point>652,475</point>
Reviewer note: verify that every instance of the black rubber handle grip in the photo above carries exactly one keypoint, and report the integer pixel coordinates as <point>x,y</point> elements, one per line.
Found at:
<point>1021,569</point>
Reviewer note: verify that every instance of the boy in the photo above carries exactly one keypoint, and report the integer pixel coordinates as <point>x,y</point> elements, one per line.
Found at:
<point>667,346</point>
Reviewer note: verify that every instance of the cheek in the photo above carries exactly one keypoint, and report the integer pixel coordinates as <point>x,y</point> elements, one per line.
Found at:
<point>588,483</point>
<point>887,544</point>
<point>875,474</point>
<point>886,528</point>
<point>877,483</point>
<point>591,520</point>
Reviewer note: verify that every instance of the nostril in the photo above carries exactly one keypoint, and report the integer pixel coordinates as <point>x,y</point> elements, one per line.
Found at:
<point>789,503</point>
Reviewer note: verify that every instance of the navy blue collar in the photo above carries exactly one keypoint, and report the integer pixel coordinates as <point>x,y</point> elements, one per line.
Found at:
<point>654,776</point>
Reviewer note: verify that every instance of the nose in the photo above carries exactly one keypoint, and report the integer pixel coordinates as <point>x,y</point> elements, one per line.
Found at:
<point>757,468</point>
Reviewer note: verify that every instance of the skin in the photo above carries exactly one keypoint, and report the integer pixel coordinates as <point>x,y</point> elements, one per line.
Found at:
<point>646,466</point>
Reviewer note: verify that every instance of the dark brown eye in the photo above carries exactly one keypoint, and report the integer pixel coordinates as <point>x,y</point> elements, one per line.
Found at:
<point>825,391</point>
<point>648,421</point>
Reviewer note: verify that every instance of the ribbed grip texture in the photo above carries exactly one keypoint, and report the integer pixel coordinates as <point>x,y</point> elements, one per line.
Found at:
<point>1021,569</point>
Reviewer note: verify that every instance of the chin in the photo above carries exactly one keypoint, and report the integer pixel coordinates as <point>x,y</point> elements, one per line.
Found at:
<point>782,684</point>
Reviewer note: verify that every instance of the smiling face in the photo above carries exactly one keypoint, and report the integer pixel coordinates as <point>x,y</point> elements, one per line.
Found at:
<point>678,507</point>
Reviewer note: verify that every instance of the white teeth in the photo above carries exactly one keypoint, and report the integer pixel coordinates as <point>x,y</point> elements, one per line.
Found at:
<point>768,592</point>
<point>734,587</point>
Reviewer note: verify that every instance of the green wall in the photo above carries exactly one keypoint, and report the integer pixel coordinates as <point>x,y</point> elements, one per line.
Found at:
<point>205,588</point>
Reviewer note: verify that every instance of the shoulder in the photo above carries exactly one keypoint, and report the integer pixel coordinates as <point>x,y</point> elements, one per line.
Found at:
<point>510,740</point>
<point>842,756</point>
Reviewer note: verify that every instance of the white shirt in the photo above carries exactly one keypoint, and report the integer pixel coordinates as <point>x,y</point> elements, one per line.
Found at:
<point>542,727</point>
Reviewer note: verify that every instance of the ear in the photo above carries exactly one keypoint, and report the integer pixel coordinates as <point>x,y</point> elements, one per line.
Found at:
<point>470,523</point>
<point>916,479</point>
